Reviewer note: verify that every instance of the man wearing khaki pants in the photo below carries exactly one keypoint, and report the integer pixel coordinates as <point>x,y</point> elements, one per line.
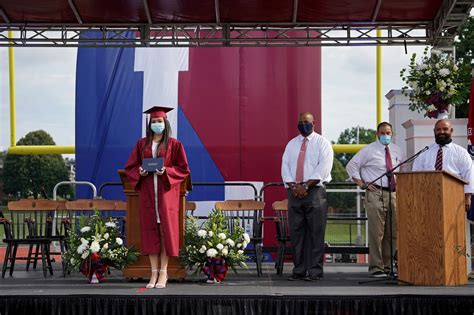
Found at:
<point>366,166</point>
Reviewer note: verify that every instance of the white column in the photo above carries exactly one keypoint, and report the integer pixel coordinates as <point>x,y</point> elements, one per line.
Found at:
<point>399,113</point>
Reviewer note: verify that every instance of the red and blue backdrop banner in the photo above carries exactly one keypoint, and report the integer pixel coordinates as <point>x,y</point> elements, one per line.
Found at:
<point>236,108</point>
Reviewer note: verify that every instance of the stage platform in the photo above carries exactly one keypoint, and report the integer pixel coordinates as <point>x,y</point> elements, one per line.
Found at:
<point>338,293</point>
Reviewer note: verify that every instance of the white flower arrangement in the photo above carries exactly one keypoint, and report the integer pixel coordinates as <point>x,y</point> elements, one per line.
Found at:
<point>433,83</point>
<point>214,240</point>
<point>98,238</point>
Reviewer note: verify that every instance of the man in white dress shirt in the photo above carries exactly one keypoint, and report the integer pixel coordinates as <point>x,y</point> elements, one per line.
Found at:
<point>366,166</point>
<point>448,156</point>
<point>306,167</point>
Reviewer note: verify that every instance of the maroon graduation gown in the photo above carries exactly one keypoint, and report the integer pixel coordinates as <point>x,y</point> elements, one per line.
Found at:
<point>168,195</point>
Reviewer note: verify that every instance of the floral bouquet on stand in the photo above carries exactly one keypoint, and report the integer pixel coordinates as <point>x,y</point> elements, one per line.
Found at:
<point>96,246</point>
<point>433,84</point>
<point>213,247</point>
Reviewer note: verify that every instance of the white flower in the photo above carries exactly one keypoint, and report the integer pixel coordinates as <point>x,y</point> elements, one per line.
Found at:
<point>240,251</point>
<point>444,72</point>
<point>95,247</point>
<point>119,241</point>
<point>244,244</point>
<point>202,233</point>
<point>202,250</point>
<point>81,248</point>
<point>85,229</point>
<point>431,108</point>
<point>211,233</point>
<point>110,224</point>
<point>239,245</point>
<point>220,246</point>
<point>106,235</point>
<point>84,255</point>
<point>422,66</point>
<point>72,261</point>
<point>427,92</point>
<point>455,68</point>
<point>211,252</point>
<point>246,238</point>
<point>84,241</point>
<point>427,72</point>
<point>435,52</point>
<point>106,246</point>
<point>413,85</point>
<point>225,251</point>
<point>230,242</point>
<point>222,236</point>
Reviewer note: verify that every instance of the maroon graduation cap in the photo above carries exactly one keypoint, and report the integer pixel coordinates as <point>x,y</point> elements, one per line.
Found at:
<point>157,111</point>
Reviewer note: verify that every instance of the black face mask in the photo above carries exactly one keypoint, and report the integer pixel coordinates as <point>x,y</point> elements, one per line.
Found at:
<point>305,128</point>
<point>443,140</point>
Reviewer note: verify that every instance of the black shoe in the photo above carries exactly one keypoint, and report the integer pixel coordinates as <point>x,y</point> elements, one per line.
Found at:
<point>313,278</point>
<point>378,274</point>
<point>295,277</point>
<point>395,273</point>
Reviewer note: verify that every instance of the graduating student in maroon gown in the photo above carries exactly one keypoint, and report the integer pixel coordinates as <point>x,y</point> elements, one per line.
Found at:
<point>159,192</point>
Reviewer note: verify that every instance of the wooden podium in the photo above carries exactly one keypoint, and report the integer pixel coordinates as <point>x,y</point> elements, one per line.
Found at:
<point>142,269</point>
<point>431,228</point>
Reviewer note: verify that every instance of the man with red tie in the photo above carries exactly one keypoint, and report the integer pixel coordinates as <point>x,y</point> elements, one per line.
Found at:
<point>306,167</point>
<point>366,166</point>
<point>447,156</point>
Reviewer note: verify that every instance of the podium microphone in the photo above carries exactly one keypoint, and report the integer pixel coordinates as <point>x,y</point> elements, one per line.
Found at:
<point>424,149</point>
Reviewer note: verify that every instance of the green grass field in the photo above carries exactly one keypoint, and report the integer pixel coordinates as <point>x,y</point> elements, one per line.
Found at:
<point>343,232</point>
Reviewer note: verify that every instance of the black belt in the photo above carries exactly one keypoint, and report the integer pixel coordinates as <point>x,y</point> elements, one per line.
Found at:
<point>381,187</point>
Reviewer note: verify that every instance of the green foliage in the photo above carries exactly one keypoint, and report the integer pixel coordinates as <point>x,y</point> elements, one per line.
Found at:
<point>346,202</point>
<point>98,236</point>
<point>26,175</point>
<point>338,172</point>
<point>464,54</point>
<point>351,136</point>
<point>214,239</point>
<point>340,202</point>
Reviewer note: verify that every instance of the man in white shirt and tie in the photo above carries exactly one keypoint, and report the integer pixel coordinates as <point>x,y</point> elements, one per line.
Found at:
<point>367,165</point>
<point>306,167</point>
<point>448,156</point>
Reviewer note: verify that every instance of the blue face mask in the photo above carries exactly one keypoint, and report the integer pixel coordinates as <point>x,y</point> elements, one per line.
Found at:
<point>158,127</point>
<point>385,139</point>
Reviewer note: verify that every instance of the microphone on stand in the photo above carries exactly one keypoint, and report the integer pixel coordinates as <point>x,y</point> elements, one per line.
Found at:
<point>410,159</point>
<point>424,149</point>
<point>416,155</point>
